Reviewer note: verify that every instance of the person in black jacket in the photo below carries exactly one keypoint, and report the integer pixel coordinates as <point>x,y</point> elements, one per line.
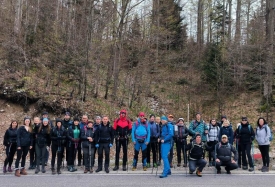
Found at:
<point>24,143</point>
<point>88,146</point>
<point>73,145</point>
<point>223,155</point>
<point>58,137</point>
<point>35,127</point>
<point>181,143</point>
<point>42,144</point>
<point>246,135</point>
<point>104,141</point>
<point>10,143</point>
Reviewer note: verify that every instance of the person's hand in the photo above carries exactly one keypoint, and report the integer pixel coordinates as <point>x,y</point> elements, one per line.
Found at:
<point>91,140</point>
<point>110,145</point>
<point>30,147</point>
<point>233,162</point>
<point>97,145</point>
<point>158,140</point>
<point>217,160</point>
<point>146,143</point>
<point>19,148</point>
<point>48,148</point>
<point>162,141</point>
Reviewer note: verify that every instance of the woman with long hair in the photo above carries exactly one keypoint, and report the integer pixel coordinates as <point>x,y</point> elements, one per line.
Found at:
<point>10,143</point>
<point>24,142</point>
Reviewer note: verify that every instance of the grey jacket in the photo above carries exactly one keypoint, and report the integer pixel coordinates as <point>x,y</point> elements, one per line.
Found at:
<point>262,135</point>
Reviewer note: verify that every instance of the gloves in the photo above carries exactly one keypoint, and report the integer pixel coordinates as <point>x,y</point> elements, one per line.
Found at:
<point>110,145</point>
<point>97,145</point>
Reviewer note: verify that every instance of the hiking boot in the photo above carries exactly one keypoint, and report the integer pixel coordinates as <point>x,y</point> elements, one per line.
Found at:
<point>17,173</point>
<point>178,165</point>
<point>134,168</point>
<point>171,165</point>
<point>148,165</point>
<point>58,170</point>
<point>245,167</point>
<point>266,169</point>
<point>23,172</point>
<point>162,176</point>
<point>219,172</point>
<point>53,171</point>
<point>198,173</point>
<point>91,170</point>
<point>107,170</point>
<point>155,165</point>
<point>169,172</point>
<point>9,169</point>
<point>184,165</point>
<point>159,162</point>
<point>98,170</point>
<point>124,168</point>
<point>4,169</point>
<point>191,172</point>
<point>210,164</point>
<point>228,172</point>
<point>251,169</point>
<point>86,170</point>
<point>72,169</point>
<point>144,168</point>
<point>115,168</point>
<point>43,169</point>
<point>37,170</point>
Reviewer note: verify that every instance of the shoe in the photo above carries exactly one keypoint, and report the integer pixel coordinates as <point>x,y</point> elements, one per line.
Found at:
<point>79,164</point>
<point>91,170</point>
<point>228,172</point>
<point>191,172</point>
<point>148,165</point>
<point>266,169</point>
<point>245,167</point>
<point>86,170</point>
<point>9,169</point>
<point>107,170</point>
<point>159,162</point>
<point>43,169</point>
<point>169,173</point>
<point>179,164</point>
<point>162,176</point>
<point>58,170</point>
<point>219,172</point>
<point>251,169</point>
<point>210,164</point>
<point>23,172</point>
<point>17,173</point>
<point>198,173</point>
<point>4,169</point>
<point>124,168</point>
<point>134,168</point>
<point>171,165</point>
<point>46,164</point>
<point>72,169</point>
<point>115,168</point>
<point>53,171</point>
<point>98,170</point>
<point>37,170</point>
<point>184,165</point>
<point>144,168</point>
<point>239,166</point>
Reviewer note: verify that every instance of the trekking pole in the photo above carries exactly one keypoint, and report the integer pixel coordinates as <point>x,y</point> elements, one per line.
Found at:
<point>185,158</point>
<point>157,164</point>
<point>238,153</point>
<point>153,158</point>
<point>215,170</point>
<point>90,156</point>
<point>127,152</point>
<point>253,157</point>
<point>118,149</point>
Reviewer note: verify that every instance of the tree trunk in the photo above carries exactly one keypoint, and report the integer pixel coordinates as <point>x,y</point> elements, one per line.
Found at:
<point>238,22</point>
<point>18,16</point>
<point>200,23</point>
<point>229,20</point>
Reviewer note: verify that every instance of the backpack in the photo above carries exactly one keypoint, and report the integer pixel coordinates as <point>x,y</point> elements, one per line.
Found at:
<point>194,127</point>
<point>249,128</point>
<point>271,135</point>
<point>227,146</point>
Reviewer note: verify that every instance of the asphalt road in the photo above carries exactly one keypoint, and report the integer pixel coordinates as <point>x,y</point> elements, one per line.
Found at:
<point>132,180</point>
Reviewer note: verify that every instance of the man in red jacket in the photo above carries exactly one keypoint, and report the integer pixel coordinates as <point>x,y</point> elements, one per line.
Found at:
<point>122,130</point>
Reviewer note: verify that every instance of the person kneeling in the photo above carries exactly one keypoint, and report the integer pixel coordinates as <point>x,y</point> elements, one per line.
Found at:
<point>223,156</point>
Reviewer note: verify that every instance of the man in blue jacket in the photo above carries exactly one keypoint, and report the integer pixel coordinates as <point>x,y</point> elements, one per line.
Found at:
<point>140,138</point>
<point>166,138</point>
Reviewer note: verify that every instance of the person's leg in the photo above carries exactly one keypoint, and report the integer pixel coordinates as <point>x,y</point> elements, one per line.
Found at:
<point>144,154</point>
<point>261,148</point>
<point>59,157</point>
<point>100,157</point>
<point>18,158</point>
<point>54,151</point>
<point>148,154</point>
<point>79,154</point>
<point>165,149</point>
<point>38,157</point>
<point>239,148</point>
<point>248,152</point>
<point>44,153</point>
<point>25,150</point>
<point>178,148</point>
<point>153,147</point>
<point>266,150</point>
<point>218,166</point>
<point>171,155</point>
<point>192,166</point>
<point>107,157</point>
<point>124,148</point>
<point>136,151</point>
<point>117,154</point>
<point>11,156</point>
<point>244,155</point>
<point>201,164</point>
<point>86,158</point>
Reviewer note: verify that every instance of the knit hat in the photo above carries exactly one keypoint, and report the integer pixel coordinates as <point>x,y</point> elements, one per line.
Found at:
<point>224,136</point>
<point>181,119</point>
<point>67,114</point>
<point>164,118</point>
<point>45,119</point>
<point>57,120</point>
<point>76,119</point>
<point>123,111</point>
<point>141,114</point>
<point>45,113</point>
<point>152,115</point>
<point>223,116</point>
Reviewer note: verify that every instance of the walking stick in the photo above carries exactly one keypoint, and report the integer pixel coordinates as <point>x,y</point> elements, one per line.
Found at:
<point>118,149</point>
<point>90,156</point>
<point>157,164</point>
<point>253,157</point>
<point>127,150</point>
<point>185,158</point>
<point>215,170</point>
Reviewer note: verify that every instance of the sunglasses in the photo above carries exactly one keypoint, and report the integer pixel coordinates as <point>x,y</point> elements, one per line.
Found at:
<point>122,113</point>
<point>224,138</point>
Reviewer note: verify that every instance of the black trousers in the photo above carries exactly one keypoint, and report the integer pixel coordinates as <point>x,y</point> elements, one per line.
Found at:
<point>106,148</point>
<point>10,152</point>
<point>181,148</point>
<point>264,149</point>
<point>21,155</point>
<point>239,149</point>
<point>210,153</point>
<point>86,157</point>
<point>41,154</point>
<point>32,156</point>
<point>59,153</point>
<point>228,165</point>
<point>152,146</point>
<point>72,150</point>
<point>171,155</point>
<point>246,148</point>
<point>159,150</point>
<point>121,143</point>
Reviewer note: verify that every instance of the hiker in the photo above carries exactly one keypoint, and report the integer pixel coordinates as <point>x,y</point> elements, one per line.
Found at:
<point>158,122</point>
<point>196,153</point>
<point>73,145</point>
<point>42,144</point>
<point>238,147</point>
<point>35,127</point>
<point>66,124</point>
<point>104,138</point>
<point>97,123</point>
<point>263,134</point>
<point>58,137</point>
<point>45,114</point>
<point>171,155</point>
<point>152,146</point>
<point>10,143</point>
<point>141,138</point>
<point>166,140</point>
<point>223,155</point>
<point>84,121</point>
<point>198,126</point>
<point>223,118</point>
<point>180,137</point>
<point>227,130</point>
<point>246,135</point>
<point>24,143</point>
<point>213,139</point>
<point>122,131</point>
<point>88,146</point>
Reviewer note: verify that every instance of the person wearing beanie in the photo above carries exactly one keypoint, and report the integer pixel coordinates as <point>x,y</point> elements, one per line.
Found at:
<point>196,155</point>
<point>246,135</point>
<point>42,144</point>
<point>73,145</point>
<point>67,123</point>
<point>181,133</point>
<point>24,143</point>
<point>223,156</point>
<point>166,138</point>
<point>10,144</point>
<point>58,137</point>
<point>227,130</point>
<point>213,139</point>
<point>152,146</point>
<point>88,146</point>
<point>141,138</point>
<point>122,131</point>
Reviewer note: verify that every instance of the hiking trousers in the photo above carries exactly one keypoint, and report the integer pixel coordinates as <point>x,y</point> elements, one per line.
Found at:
<point>165,150</point>
<point>264,149</point>
<point>121,143</point>
<point>152,146</point>
<point>180,144</point>
<point>10,152</point>
<point>200,163</point>
<point>86,157</point>
<point>246,151</point>
<point>21,155</point>
<point>58,153</point>
<point>143,148</point>
<point>228,165</point>
<point>106,148</point>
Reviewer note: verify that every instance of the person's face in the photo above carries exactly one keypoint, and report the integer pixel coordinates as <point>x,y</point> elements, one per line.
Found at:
<point>123,114</point>
<point>170,119</point>
<point>225,124</point>
<point>58,124</point>
<point>181,122</point>
<point>90,125</point>
<point>67,117</point>
<point>36,120</point>
<point>98,121</point>
<point>45,116</point>
<point>14,124</point>
<point>105,120</point>
<point>244,121</point>
<point>157,120</point>
<point>163,121</point>
<point>198,117</point>
<point>27,122</point>
<point>198,139</point>
<point>152,119</point>
<point>84,119</point>
<point>213,122</point>
<point>76,123</point>
<point>45,123</point>
<point>223,119</point>
<point>224,140</point>
<point>261,122</point>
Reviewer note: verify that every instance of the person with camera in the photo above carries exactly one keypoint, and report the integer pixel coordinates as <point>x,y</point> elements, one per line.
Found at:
<point>58,137</point>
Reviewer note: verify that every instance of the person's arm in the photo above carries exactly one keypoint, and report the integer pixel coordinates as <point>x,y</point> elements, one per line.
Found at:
<point>19,136</point>
<point>191,128</point>
<point>83,135</point>
<point>133,133</point>
<point>53,137</point>
<point>112,135</point>
<point>6,138</point>
<point>252,134</point>
<point>170,134</point>
<point>148,133</point>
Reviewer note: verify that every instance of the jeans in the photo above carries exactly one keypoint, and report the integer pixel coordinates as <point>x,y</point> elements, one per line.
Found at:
<point>200,163</point>
<point>10,152</point>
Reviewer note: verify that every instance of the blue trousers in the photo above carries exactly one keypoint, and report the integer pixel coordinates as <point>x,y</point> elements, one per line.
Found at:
<point>165,150</point>
<point>200,163</point>
<point>143,148</point>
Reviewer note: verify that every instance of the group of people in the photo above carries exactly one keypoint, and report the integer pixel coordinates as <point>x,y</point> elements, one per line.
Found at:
<point>69,139</point>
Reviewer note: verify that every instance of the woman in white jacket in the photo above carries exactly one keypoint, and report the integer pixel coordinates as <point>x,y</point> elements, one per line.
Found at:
<point>262,137</point>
